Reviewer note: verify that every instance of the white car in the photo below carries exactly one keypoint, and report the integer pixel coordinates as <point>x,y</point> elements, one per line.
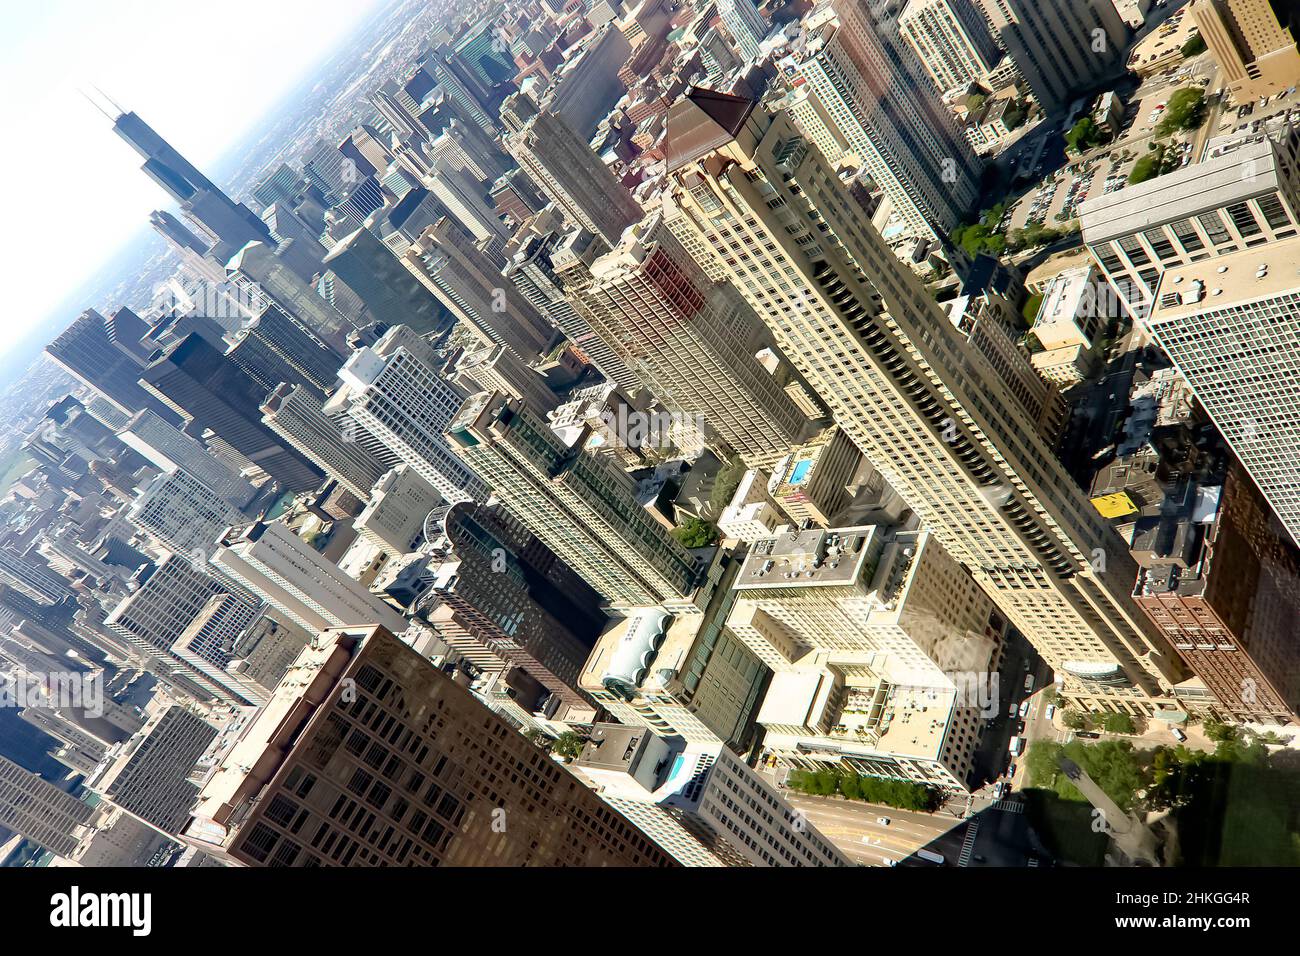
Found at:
<point>1050,712</point>
<point>883,821</point>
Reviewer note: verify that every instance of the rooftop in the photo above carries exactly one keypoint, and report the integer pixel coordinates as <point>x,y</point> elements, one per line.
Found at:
<point>812,558</point>
<point>1235,176</point>
<point>701,121</point>
<point>1245,276</point>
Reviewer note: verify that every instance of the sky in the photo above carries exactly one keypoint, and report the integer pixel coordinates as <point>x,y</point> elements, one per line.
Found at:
<point>203,74</point>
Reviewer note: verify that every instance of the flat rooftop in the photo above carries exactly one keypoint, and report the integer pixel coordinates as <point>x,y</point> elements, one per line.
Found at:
<point>1241,174</point>
<point>1236,277</point>
<point>812,558</point>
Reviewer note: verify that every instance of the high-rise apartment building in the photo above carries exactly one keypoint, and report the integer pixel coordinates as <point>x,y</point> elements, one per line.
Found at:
<point>1059,46</point>
<point>396,392</point>
<point>873,87</point>
<point>580,506</point>
<point>368,755</point>
<point>952,40</point>
<point>926,411</point>
<point>1231,326</point>
<point>1255,52</point>
<point>40,811</point>
<point>700,801</point>
<point>295,414</point>
<point>1246,196</point>
<point>572,176</point>
<point>289,574</point>
<point>691,340</point>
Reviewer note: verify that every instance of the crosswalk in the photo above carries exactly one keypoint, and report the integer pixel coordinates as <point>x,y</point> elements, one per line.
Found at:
<point>968,845</point>
<point>1009,806</point>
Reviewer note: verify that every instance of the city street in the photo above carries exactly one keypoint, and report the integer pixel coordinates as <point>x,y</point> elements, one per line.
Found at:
<point>851,825</point>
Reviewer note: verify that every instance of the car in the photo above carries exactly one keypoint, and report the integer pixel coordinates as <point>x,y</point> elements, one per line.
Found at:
<point>883,821</point>
<point>999,790</point>
<point>1029,683</point>
<point>1024,709</point>
<point>1178,735</point>
<point>1011,710</point>
<point>1050,712</point>
<point>1017,746</point>
<point>1088,735</point>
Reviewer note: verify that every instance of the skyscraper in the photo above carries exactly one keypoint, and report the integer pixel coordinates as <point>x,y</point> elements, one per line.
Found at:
<point>1231,326</point>
<point>580,506</point>
<point>171,450</point>
<point>184,513</point>
<point>297,416</point>
<point>292,351</point>
<point>396,393</point>
<point>691,340</point>
<point>40,811</point>
<point>534,273</point>
<point>872,85</point>
<point>745,24</point>
<point>492,601</point>
<point>952,40</point>
<point>1059,46</point>
<point>699,801</point>
<point>465,790</point>
<point>149,775</point>
<point>87,351</point>
<point>1257,55</point>
<point>927,412</point>
<point>573,177</point>
<point>452,267</point>
<point>200,199</point>
<point>208,389</point>
<point>289,574</point>
<point>381,282</point>
<point>156,619</point>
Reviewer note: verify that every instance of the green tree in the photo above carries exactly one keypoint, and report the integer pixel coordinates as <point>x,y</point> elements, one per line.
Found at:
<point>1193,46</point>
<point>1220,732</point>
<point>1186,111</point>
<point>568,745</point>
<point>1074,720</point>
<point>1085,134</point>
<point>695,533</point>
<point>1148,167</point>
<point>726,483</point>
<point>1118,724</point>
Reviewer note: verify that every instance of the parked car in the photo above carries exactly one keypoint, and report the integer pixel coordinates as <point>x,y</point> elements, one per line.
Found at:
<point>1050,712</point>
<point>1029,683</point>
<point>1178,735</point>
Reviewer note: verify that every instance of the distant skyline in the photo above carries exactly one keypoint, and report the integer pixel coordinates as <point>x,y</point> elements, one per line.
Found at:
<point>85,195</point>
